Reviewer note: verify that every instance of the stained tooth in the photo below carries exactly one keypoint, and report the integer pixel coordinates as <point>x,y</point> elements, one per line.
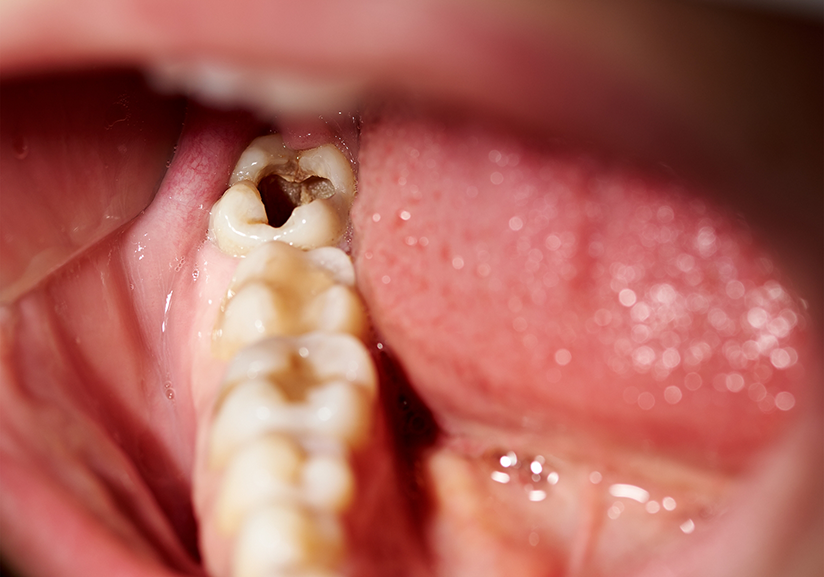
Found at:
<point>328,483</point>
<point>279,290</point>
<point>284,539</point>
<point>323,357</point>
<point>298,394</point>
<point>341,411</point>
<point>317,386</point>
<point>328,162</point>
<point>243,415</point>
<point>267,470</point>
<point>274,469</point>
<point>337,410</point>
<point>264,156</point>
<point>238,221</point>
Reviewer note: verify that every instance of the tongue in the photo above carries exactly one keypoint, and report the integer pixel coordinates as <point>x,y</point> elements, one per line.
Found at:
<point>539,290</point>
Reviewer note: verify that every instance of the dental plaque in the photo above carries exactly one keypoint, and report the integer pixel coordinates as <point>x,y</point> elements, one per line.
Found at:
<point>298,395</point>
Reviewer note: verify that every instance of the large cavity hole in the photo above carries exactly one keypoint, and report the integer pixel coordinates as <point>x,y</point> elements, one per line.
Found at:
<point>278,198</point>
<point>281,197</point>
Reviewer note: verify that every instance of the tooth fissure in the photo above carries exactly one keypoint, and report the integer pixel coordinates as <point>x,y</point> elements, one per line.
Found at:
<point>298,395</point>
<point>276,193</point>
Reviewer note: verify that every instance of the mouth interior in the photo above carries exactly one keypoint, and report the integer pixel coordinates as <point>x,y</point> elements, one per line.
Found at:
<point>147,423</point>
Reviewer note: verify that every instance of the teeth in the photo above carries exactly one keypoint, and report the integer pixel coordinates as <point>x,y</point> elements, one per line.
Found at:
<point>299,392</point>
<point>320,357</point>
<point>238,222</point>
<point>328,483</point>
<point>267,470</point>
<point>279,290</point>
<point>274,469</point>
<point>284,539</point>
<point>269,92</point>
<point>318,387</point>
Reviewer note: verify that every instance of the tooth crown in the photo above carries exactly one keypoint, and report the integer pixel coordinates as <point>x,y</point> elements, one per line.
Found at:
<point>298,394</point>
<point>238,222</point>
<point>279,290</point>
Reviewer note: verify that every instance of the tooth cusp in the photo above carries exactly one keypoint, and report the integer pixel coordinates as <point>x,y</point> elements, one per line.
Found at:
<point>319,183</point>
<point>279,290</point>
<point>286,540</point>
<point>298,394</point>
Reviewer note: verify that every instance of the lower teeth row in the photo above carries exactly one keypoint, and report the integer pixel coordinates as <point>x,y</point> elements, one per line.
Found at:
<point>298,396</point>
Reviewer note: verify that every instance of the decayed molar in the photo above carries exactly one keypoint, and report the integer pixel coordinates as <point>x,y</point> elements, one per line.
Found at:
<point>318,183</point>
<point>279,290</point>
<point>319,388</point>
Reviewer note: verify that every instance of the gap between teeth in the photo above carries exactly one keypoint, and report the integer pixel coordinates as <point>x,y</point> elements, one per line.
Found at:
<point>299,391</point>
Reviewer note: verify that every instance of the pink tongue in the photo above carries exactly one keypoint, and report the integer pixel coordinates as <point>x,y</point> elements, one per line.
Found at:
<point>533,288</point>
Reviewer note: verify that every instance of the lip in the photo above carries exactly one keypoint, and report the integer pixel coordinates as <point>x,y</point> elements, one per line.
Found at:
<point>657,121</point>
<point>727,98</point>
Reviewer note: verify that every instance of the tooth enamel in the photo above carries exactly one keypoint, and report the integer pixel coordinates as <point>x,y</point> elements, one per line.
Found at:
<point>270,93</point>
<point>273,469</point>
<point>337,410</point>
<point>264,471</point>
<point>328,483</point>
<point>322,387</point>
<point>279,290</point>
<point>238,221</point>
<point>323,357</point>
<point>284,539</point>
<point>264,156</point>
<point>299,392</point>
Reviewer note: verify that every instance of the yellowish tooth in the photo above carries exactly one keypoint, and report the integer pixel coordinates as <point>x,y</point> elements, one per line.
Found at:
<point>279,290</point>
<point>320,386</point>
<point>336,310</point>
<point>299,393</point>
<point>285,539</point>
<point>338,411</point>
<point>266,470</point>
<point>328,483</point>
<point>238,222</point>
<point>317,357</point>
<point>243,415</point>
<point>264,156</point>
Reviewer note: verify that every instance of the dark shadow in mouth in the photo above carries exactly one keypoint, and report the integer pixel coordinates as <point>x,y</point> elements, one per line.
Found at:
<point>413,431</point>
<point>276,197</point>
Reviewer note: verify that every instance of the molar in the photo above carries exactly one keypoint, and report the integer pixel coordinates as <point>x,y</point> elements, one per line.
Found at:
<point>279,290</point>
<point>320,185</point>
<point>285,539</point>
<point>320,386</point>
<point>269,92</point>
<point>275,469</point>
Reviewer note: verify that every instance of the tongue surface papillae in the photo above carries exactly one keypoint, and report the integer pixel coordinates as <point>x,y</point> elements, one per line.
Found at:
<point>106,366</point>
<point>535,289</point>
